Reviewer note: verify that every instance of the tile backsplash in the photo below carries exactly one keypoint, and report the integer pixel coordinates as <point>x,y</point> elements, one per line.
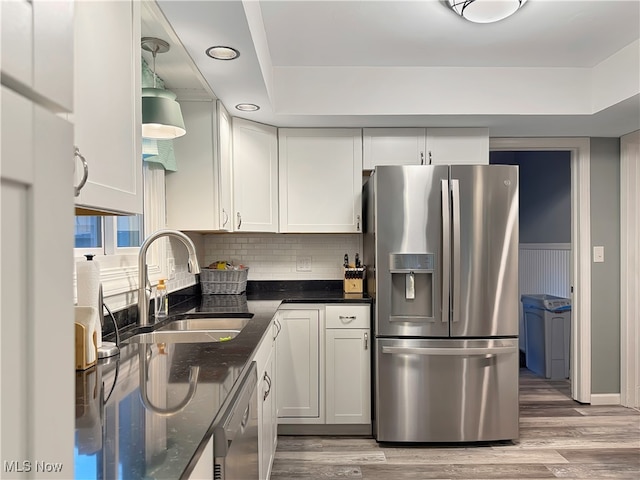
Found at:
<point>272,256</point>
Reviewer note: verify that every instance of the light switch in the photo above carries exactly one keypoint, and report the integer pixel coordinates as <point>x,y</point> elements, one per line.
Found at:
<point>598,254</point>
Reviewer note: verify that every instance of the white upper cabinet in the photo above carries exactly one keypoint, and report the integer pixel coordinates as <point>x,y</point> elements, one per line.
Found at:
<point>225,168</point>
<point>425,146</point>
<point>37,46</point>
<point>107,105</point>
<point>255,176</point>
<point>466,146</point>
<point>393,146</point>
<point>194,192</point>
<point>320,180</point>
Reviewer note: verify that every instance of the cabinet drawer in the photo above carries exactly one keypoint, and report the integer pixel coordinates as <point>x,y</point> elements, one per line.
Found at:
<point>347,316</point>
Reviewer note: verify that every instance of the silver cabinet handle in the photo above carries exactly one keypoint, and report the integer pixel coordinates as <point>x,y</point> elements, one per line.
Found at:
<point>225,215</point>
<point>430,159</point>
<point>357,223</point>
<point>278,326</point>
<point>85,174</point>
<point>267,379</point>
<point>239,220</point>
<point>366,341</point>
<point>421,158</point>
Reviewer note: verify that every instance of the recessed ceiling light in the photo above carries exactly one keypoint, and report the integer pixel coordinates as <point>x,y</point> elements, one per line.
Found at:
<point>485,11</point>
<point>247,107</point>
<point>220,52</point>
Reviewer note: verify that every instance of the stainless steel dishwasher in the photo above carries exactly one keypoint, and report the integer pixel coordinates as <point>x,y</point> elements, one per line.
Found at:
<point>235,437</point>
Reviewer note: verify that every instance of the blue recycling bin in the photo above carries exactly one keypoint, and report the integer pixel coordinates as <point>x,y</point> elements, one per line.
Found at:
<point>547,322</point>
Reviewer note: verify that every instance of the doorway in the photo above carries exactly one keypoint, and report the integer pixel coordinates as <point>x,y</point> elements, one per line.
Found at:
<point>544,256</point>
<point>578,150</point>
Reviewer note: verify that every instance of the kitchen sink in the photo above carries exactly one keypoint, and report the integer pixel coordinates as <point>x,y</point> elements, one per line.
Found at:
<point>184,336</point>
<point>205,324</point>
<point>196,328</point>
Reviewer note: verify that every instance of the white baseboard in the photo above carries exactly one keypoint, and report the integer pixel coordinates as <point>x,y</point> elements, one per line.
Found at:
<point>605,399</point>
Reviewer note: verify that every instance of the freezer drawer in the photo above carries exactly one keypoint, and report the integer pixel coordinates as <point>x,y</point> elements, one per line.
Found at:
<point>446,390</point>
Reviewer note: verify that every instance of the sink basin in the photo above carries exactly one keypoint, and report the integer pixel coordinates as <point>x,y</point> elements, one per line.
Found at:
<point>196,329</point>
<point>205,324</point>
<point>184,336</point>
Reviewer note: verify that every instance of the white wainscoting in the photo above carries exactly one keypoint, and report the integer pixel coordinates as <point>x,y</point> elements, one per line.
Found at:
<point>544,268</point>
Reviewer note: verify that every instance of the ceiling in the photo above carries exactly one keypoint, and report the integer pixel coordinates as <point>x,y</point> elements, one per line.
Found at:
<point>555,68</point>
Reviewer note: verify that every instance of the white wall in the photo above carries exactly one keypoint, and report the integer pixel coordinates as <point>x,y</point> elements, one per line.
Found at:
<point>272,256</point>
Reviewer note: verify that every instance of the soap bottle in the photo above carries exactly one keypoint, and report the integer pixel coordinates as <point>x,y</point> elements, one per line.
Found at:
<point>161,301</point>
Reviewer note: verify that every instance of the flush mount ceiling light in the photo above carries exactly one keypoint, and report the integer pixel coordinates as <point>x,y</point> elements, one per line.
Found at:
<point>485,11</point>
<point>247,107</point>
<point>161,114</point>
<point>221,52</point>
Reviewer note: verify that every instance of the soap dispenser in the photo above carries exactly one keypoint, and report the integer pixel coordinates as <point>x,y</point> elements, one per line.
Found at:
<point>161,301</point>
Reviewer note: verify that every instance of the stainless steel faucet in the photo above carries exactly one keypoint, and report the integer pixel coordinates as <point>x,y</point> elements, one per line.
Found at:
<point>144,288</point>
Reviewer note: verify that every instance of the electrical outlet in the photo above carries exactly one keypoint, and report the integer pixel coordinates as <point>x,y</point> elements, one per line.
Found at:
<point>171,267</point>
<point>303,263</point>
<point>598,254</point>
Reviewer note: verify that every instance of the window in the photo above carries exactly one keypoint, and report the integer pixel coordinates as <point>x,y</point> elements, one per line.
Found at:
<point>91,232</point>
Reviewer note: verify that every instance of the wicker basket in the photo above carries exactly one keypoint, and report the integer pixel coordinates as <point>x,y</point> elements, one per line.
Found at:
<point>223,282</point>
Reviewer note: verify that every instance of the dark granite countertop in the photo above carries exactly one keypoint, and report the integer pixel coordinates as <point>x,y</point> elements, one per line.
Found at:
<point>118,435</point>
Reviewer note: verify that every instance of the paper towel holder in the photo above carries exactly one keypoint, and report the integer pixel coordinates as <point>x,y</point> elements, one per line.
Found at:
<point>105,349</point>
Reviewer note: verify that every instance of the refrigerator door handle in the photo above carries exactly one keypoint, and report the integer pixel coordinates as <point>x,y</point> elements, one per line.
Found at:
<point>446,249</point>
<point>458,352</point>
<point>455,207</point>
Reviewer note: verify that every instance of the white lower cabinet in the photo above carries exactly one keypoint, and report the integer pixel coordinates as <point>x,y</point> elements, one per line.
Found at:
<point>348,364</point>
<point>267,416</point>
<point>348,377</point>
<point>324,374</point>
<point>298,367</point>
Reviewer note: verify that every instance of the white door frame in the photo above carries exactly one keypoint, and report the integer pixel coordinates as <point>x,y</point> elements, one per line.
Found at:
<point>629,270</point>
<point>580,373</point>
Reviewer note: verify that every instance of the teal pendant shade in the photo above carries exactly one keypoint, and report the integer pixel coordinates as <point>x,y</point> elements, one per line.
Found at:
<point>161,114</point>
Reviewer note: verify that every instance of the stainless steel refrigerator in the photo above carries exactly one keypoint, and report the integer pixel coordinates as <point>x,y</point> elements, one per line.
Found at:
<point>441,250</point>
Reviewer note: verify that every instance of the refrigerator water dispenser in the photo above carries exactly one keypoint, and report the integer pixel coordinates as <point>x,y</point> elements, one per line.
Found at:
<point>412,286</point>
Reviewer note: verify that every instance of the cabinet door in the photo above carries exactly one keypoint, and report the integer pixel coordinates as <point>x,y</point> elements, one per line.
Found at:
<point>465,146</point>
<point>255,176</point>
<point>225,186</point>
<point>348,375</point>
<point>267,424</point>
<point>393,146</point>
<point>320,180</point>
<point>191,191</point>
<point>37,49</point>
<point>107,106</point>
<point>36,299</point>
<point>298,366</point>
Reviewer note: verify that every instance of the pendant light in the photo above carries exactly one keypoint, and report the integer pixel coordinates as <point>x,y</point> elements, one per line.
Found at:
<point>485,11</point>
<point>161,114</point>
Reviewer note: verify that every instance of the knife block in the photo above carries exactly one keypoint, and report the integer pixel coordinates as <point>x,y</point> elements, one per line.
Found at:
<point>353,279</point>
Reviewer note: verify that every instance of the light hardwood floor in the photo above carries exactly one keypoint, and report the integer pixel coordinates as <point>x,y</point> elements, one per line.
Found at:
<point>559,438</point>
